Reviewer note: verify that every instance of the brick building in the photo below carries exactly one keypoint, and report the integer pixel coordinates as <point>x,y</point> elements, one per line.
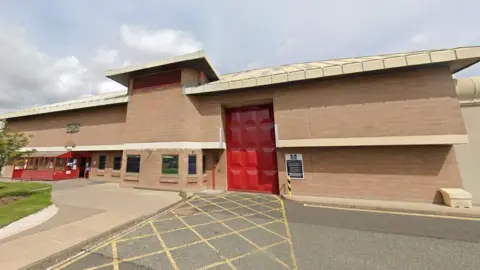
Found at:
<point>377,127</point>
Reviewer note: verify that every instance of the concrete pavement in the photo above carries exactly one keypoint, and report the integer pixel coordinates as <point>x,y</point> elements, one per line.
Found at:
<point>415,207</point>
<point>228,231</point>
<point>86,209</point>
<point>251,231</point>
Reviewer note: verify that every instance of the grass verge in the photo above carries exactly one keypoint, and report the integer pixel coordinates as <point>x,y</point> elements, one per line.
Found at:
<point>31,198</point>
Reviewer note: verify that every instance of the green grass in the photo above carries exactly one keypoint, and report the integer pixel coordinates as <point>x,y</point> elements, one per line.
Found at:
<point>33,202</point>
<point>169,170</point>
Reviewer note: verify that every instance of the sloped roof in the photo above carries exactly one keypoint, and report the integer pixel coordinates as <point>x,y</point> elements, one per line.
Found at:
<point>468,90</point>
<point>196,60</point>
<point>117,97</point>
<point>456,58</point>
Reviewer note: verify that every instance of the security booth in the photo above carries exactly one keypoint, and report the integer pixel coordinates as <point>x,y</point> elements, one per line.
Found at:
<point>51,165</point>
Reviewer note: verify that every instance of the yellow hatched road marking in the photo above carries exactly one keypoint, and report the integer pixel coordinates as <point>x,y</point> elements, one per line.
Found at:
<point>243,255</point>
<point>393,212</point>
<point>167,252</point>
<point>99,266</point>
<point>206,242</point>
<point>115,255</point>
<point>100,245</point>
<point>259,225</point>
<point>214,211</point>
<point>256,211</point>
<point>189,244</point>
<point>246,239</point>
<point>287,228</point>
<point>197,225</point>
<point>114,239</point>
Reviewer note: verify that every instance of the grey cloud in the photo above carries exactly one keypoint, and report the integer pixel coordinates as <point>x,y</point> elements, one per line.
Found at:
<point>236,34</point>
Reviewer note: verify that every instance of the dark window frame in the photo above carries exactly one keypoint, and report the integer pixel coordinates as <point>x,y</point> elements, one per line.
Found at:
<point>192,168</point>
<point>116,162</point>
<point>204,164</point>
<point>102,165</point>
<point>133,166</point>
<point>172,167</point>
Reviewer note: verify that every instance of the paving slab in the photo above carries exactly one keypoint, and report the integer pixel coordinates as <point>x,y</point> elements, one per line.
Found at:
<point>87,209</point>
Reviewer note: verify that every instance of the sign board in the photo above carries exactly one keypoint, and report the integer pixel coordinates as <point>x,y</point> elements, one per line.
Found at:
<point>294,164</point>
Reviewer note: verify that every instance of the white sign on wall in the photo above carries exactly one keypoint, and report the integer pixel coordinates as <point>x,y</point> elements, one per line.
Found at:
<point>294,163</point>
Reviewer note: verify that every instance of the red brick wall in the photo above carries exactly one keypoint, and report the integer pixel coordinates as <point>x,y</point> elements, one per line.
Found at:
<point>98,126</point>
<point>400,103</point>
<point>108,174</point>
<point>151,171</point>
<point>404,173</point>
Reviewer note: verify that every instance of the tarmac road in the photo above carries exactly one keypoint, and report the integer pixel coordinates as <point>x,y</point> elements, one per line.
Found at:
<point>326,238</point>
<point>253,231</point>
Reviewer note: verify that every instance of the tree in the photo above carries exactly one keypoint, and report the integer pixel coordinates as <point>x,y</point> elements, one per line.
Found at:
<point>11,144</point>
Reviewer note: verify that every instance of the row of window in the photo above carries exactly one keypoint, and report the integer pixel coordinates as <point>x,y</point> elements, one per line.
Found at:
<point>46,163</point>
<point>117,163</point>
<point>169,164</point>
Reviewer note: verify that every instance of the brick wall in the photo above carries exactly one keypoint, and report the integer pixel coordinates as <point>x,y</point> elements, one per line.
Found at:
<point>151,170</point>
<point>405,173</point>
<point>108,174</point>
<point>98,126</point>
<point>401,103</point>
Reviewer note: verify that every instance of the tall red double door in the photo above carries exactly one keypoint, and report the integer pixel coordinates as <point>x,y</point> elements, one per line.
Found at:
<point>251,150</point>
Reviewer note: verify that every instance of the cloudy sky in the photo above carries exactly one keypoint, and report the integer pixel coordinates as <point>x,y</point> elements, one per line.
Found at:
<point>55,50</point>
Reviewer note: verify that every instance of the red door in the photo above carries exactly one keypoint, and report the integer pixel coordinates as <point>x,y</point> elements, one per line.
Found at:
<point>251,152</point>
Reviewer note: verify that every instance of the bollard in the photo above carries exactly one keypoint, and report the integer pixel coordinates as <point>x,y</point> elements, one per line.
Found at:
<point>289,184</point>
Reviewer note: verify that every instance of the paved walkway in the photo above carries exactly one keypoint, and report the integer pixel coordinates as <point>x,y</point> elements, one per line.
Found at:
<point>423,208</point>
<point>228,231</point>
<point>86,209</point>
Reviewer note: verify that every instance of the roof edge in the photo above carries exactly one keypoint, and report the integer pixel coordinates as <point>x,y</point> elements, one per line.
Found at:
<point>69,105</point>
<point>461,56</point>
<point>121,75</point>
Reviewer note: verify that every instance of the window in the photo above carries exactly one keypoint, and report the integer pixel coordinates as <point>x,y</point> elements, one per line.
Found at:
<point>133,164</point>
<point>50,163</point>
<point>30,163</point>
<point>102,161</point>
<point>40,163</point>
<point>34,163</point>
<point>45,164</point>
<point>192,164</point>
<point>117,163</point>
<point>60,164</point>
<point>170,164</point>
<point>204,164</point>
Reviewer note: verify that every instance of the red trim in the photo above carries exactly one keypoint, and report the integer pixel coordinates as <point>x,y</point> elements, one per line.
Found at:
<point>51,174</point>
<point>157,80</point>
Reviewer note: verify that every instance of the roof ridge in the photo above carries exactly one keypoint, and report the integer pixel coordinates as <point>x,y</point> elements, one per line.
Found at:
<point>343,58</point>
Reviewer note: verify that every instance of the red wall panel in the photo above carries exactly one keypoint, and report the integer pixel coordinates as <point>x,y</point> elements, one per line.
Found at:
<point>156,80</point>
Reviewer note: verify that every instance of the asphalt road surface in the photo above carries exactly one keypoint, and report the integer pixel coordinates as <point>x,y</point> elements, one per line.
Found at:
<point>248,231</point>
<point>343,239</point>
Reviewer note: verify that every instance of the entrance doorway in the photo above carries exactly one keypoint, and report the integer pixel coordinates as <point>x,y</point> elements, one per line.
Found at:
<point>251,150</point>
<point>83,164</point>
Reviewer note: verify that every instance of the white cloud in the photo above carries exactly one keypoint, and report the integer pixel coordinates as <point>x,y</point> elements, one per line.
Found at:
<point>30,77</point>
<point>105,57</point>
<point>165,41</point>
<point>419,38</point>
<point>107,86</point>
